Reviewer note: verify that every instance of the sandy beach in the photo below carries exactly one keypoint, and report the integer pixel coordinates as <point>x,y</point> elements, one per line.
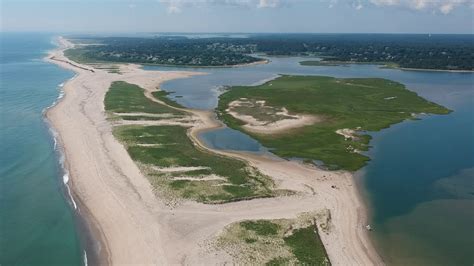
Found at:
<point>134,226</point>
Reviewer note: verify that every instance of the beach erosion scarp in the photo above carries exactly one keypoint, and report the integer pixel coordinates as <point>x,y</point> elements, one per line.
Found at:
<point>133,226</point>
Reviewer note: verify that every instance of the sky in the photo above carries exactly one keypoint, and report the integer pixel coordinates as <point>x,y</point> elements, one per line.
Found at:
<point>312,16</point>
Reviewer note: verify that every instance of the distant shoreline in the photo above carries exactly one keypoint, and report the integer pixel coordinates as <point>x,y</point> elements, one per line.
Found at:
<point>380,64</point>
<point>262,61</point>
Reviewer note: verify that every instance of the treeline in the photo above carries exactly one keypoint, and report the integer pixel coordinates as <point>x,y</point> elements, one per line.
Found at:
<point>170,51</point>
<point>447,52</point>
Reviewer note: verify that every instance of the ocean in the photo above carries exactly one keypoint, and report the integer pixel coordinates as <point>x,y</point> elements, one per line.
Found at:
<point>37,220</point>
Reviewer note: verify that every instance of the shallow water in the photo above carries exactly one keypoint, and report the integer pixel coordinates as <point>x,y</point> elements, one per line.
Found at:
<point>422,211</point>
<point>37,223</point>
<point>230,139</point>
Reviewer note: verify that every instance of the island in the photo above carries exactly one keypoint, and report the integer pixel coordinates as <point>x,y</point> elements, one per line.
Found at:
<point>321,120</point>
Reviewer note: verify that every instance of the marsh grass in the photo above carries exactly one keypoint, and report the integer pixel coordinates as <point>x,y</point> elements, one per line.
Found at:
<point>154,147</point>
<point>124,97</point>
<point>344,103</point>
<point>241,181</point>
<point>162,95</point>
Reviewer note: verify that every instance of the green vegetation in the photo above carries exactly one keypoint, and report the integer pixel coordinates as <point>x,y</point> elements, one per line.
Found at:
<point>79,55</point>
<point>262,227</point>
<point>169,146</point>
<point>275,242</point>
<point>164,51</point>
<point>307,246</point>
<point>445,52</point>
<point>357,104</point>
<point>278,261</point>
<point>174,165</point>
<point>109,68</point>
<point>124,97</point>
<point>328,62</point>
<point>146,118</point>
<point>162,96</point>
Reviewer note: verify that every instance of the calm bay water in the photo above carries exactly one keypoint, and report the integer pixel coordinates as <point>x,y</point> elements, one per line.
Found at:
<point>420,183</point>
<point>37,225</point>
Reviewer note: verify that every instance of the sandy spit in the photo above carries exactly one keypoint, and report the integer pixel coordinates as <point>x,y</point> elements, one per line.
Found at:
<point>136,227</point>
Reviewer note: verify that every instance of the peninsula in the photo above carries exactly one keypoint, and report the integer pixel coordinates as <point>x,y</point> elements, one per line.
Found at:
<point>149,204</point>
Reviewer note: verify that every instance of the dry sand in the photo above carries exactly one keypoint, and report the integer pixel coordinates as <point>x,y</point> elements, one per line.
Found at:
<point>135,227</point>
<point>285,122</point>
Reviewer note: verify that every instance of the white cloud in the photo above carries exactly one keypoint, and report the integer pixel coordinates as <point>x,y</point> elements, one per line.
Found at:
<point>268,3</point>
<point>173,6</point>
<point>176,6</point>
<point>358,5</point>
<point>443,6</point>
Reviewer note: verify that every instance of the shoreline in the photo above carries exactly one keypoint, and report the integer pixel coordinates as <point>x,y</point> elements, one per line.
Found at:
<point>89,232</point>
<point>138,227</point>
<point>434,70</point>
<point>383,66</point>
<point>254,159</point>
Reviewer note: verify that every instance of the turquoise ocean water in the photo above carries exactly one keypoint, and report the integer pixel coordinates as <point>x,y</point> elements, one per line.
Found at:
<point>37,222</point>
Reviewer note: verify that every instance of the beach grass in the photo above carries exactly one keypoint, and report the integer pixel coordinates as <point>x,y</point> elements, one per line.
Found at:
<point>124,97</point>
<point>363,104</point>
<point>274,242</point>
<point>261,227</point>
<point>192,172</point>
<point>232,179</point>
<point>306,246</point>
<point>79,55</point>
<point>147,118</point>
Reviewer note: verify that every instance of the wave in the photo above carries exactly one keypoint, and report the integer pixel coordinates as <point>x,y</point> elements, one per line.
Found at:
<point>62,162</point>
<point>85,258</point>
<point>60,95</point>
<point>57,147</point>
<point>60,150</point>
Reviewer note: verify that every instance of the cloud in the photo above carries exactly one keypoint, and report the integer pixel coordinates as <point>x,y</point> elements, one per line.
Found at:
<point>173,6</point>
<point>357,5</point>
<point>176,6</point>
<point>268,3</point>
<point>443,6</point>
